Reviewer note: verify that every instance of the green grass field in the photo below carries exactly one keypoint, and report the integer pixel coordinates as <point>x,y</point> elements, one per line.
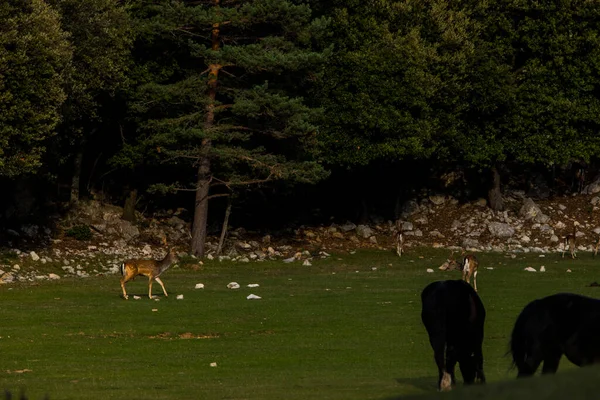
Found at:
<point>347,327</point>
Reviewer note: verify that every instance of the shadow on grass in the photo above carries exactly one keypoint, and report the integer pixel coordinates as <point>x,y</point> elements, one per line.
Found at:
<point>426,383</point>
<point>574,384</point>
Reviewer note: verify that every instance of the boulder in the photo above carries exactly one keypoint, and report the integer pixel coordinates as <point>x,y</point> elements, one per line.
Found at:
<point>347,227</point>
<point>501,230</point>
<point>529,209</point>
<point>438,200</point>
<point>409,208</point>
<point>127,230</point>
<point>593,187</point>
<point>364,231</point>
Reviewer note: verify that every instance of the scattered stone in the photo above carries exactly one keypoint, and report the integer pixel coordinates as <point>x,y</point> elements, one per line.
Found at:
<point>501,230</point>
<point>347,227</point>
<point>34,256</point>
<point>199,286</point>
<point>233,285</point>
<point>364,231</point>
<point>253,297</point>
<point>530,269</point>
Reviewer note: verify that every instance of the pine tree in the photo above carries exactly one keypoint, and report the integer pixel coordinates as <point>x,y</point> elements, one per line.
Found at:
<point>226,95</point>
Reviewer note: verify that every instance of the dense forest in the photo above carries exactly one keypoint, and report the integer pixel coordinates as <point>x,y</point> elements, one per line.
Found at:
<point>291,111</point>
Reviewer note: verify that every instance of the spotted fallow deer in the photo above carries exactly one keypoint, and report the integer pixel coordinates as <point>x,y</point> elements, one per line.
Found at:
<point>399,239</point>
<point>571,243</point>
<point>150,268</point>
<point>468,266</point>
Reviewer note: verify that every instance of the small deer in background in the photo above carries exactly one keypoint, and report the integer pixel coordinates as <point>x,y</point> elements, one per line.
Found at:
<point>571,243</point>
<point>150,268</point>
<point>468,266</point>
<point>399,239</point>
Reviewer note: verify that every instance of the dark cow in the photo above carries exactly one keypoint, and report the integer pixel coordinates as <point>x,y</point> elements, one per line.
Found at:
<point>547,328</point>
<point>453,315</point>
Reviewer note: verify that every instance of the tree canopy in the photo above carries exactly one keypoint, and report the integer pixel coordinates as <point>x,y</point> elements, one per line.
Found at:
<point>222,97</point>
<point>34,54</point>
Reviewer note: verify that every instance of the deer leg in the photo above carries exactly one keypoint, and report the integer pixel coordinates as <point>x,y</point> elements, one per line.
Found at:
<point>157,279</point>
<point>475,280</point>
<point>150,287</point>
<point>123,281</point>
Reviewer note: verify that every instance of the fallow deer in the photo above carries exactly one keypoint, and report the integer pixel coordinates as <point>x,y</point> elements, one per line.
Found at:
<point>150,268</point>
<point>571,243</point>
<point>399,240</point>
<point>468,266</point>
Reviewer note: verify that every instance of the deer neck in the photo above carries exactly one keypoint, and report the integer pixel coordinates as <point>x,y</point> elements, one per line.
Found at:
<point>166,262</point>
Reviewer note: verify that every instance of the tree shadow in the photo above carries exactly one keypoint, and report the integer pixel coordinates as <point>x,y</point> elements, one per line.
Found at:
<point>428,384</point>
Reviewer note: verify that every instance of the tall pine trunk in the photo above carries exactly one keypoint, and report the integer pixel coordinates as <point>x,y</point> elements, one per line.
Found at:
<point>495,193</point>
<point>76,179</point>
<point>199,230</point>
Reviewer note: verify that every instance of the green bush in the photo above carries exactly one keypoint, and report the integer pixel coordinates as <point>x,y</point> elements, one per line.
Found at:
<point>80,232</point>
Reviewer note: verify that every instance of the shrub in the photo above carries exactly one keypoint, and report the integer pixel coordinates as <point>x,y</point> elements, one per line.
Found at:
<point>80,232</point>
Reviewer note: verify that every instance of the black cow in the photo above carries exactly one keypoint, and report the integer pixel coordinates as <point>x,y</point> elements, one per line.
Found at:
<point>453,315</point>
<point>547,328</point>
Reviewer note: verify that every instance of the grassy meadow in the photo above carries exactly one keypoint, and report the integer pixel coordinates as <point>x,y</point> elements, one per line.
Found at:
<point>347,327</point>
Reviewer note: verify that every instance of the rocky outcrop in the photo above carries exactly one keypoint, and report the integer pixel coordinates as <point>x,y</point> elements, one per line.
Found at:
<point>436,221</point>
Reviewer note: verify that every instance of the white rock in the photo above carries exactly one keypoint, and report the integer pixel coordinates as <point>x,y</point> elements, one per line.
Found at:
<point>430,270</point>
<point>530,269</point>
<point>569,270</point>
<point>147,250</point>
<point>253,285</point>
<point>136,297</point>
<point>253,297</point>
<point>53,276</point>
<point>489,268</point>
<point>289,260</point>
<point>233,285</point>
<point>179,297</point>
<point>306,263</point>
<point>213,364</point>
<point>34,256</point>
<point>199,286</point>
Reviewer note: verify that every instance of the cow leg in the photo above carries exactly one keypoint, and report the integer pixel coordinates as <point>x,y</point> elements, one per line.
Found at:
<point>528,366</point>
<point>444,378</point>
<point>479,375</point>
<point>451,360</point>
<point>551,363</point>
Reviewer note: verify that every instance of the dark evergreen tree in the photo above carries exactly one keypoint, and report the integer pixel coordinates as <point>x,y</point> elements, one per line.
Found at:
<point>34,53</point>
<point>101,36</point>
<point>225,96</point>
